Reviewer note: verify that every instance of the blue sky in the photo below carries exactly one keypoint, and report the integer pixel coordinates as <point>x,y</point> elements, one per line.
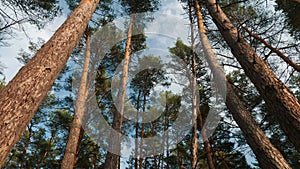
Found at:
<point>169,22</point>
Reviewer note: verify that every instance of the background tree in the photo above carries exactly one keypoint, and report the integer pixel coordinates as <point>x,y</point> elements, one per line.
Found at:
<point>131,8</point>
<point>240,113</point>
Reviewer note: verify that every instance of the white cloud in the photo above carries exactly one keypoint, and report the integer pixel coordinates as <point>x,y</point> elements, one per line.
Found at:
<point>21,41</point>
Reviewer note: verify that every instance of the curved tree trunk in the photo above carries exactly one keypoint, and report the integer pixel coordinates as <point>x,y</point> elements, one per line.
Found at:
<point>69,159</point>
<point>280,101</point>
<point>267,155</point>
<point>20,99</point>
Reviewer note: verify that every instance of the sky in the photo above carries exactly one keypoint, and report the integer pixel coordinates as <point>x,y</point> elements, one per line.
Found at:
<point>8,54</point>
<point>169,24</point>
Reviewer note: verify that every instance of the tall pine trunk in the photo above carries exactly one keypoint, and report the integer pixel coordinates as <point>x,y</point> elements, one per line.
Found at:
<point>137,131</point>
<point>194,98</point>
<point>69,159</point>
<point>196,111</point>
<point>143,125</point>
<point>22,162</point>
<point>267,155</point>
<point>112,160</point>
<point>279,100</point>
<point>207,146</point>
<point>20,99</point>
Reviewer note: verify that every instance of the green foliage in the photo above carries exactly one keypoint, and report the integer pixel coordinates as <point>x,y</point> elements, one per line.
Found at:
<point>292,12</point>
<point>37,12</point>
<point>133,6</point>
<point>295,85</point>
<point>244,89</point>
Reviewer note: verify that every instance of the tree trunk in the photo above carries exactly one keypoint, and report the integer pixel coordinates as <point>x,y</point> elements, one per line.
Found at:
<point>154,151</point>
<point>137,131</point>
<point>112,160</point>
<point>143,124</point>
<point>194,148</point>
<point>26,146</point>
<point>74,134</point>
<point>95,156</point>
<point>167,140</point>
<point>207,147</point>
<point>267,155</point>
<point>196,111</point>
<point>20,99</point>
<point>78,144</point>
<point>280,101</point>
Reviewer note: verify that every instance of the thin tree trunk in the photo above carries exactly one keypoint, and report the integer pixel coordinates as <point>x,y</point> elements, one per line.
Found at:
<point>194,148</point>
<point>280,101</point>
<point>78,145</point>
<point>143,124</point>
<point>26,146</point>
<point>223,159</point>
<point>20,99</point>
<point>95,158</point>
<point>167,140</point>
<point>112,160</point>
<point>46,152</point>
<point>196,110</point>
<point>137,132</point>
<point>267,155</point>
<point>207,147</point>
<point>178,158</point>
<point>68,161</point>
<point>162,159</point>
<point>167,151</point>
<point>141,146</point>
<point>154,151</point>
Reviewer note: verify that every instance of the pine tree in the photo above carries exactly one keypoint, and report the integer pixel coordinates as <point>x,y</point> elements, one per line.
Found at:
<point>21,97</point>
<point>280,101</point>
<point>257,139</point>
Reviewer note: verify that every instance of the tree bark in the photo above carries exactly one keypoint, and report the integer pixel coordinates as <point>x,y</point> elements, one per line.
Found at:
<point>74,134</point>
<point>196,111</point>
<point>112,161</point>
<point>267,155</point>
<point>207,146</point>
<point>26,146</point>
<point>20,99</point>
<point>194,148</point>
<point>154,151</point>
<point>143,125</point>
<point>137,131</point>
<point>280,101</point>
